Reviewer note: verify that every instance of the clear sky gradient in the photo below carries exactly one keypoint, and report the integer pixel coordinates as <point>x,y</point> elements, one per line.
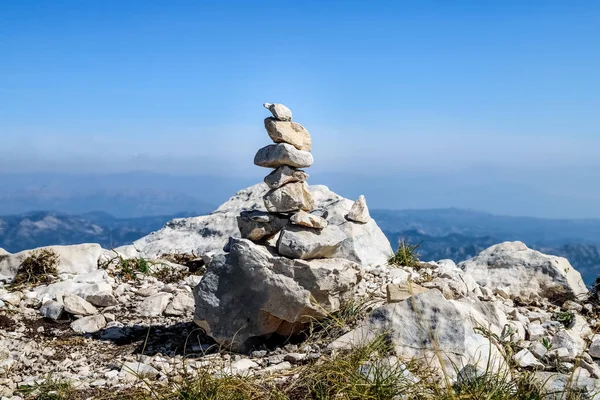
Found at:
<point>500,92</point>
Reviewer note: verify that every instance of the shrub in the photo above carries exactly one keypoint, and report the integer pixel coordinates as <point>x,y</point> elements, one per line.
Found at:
<point>127,268</point>
<point>567,318</point>
<point>38,268</point>
<point>406,255</point>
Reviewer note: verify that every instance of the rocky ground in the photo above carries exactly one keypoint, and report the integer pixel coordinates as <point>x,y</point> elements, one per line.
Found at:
<point>142,328</point>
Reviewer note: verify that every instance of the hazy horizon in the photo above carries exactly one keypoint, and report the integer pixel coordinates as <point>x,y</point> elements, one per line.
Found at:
<point>477,105</point>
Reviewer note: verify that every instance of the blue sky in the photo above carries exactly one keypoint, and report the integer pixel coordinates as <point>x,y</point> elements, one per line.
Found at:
<point>386,88</point>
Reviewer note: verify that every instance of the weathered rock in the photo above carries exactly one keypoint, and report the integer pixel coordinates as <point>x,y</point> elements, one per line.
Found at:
<point>303,218</point>
<point>91,324</point>
<point>83,285</point>
<point>102,299</point>
<point>594,349</point>
<point>12,298</point>
<point>75,259</point>
<point>520,271</point>
<point>51,309</point>
<point>307,243</point>
<point>538,350</point>
<point>154,305</point>
<point>251,292</point>
<point>536,331</point>
<point>359,211</point>
<point>134,371</point>
<point>525,359</point>
<point>284,175</point>
<point>75,305</point>
<point>289,132</point>
<point>182,304</point>
<point>241,367</point>
<point>570,341</point>
<point>277,155</point>
<point>288,198</point>
<point>562,386</point>
<point>429,326</point>
<point>257,225</point>
<point>403,291</point>
<point>279,111</point>
<point>365,243</point>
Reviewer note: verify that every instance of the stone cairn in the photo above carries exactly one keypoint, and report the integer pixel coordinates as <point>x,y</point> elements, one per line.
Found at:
<point>288,202</point>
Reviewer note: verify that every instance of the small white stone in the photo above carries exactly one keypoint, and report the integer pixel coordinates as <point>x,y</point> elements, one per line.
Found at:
<point>359,212</point>
<point>525,359</point>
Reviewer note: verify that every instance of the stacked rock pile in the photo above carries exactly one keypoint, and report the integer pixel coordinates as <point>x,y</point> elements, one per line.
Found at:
<point>304,232</point>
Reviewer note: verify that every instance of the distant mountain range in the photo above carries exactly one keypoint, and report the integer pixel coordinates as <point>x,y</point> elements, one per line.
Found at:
<point>460,234</point>
<point>448,233</point>
<point>36,229</point>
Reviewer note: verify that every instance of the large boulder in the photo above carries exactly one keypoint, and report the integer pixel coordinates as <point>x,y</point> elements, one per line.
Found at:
<point>365,243</point>
<point>440,332</point>
<point>252,292</point>
<point>519,271</point>
<point>75,259</point>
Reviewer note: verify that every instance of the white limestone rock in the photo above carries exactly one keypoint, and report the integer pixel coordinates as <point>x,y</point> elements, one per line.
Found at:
<point>525,359</point>
<point>289,132</point>
<point>430,327</point>
<point>289,198</point>
<point>83,285</point>
<point>75,259</point>
<point>279,111</point>
<point>519,271</point>
<point>102,299</point>
<point>303,218</point>
<point>284,175</point>
<point>91,324</point>
<point>51,309</point>
<point>251,292</point>
<point>359,212</point>
<point>306,243</point>
<point>257,225</point>
<point>137,371</point>
<point>154,305</point>
<point>182,304</point>
<point>277,155</point>
<point>75,305</point>
<point>365,243</point>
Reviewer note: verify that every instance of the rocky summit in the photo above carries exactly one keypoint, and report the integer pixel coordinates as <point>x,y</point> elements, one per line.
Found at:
<point>282,280</point>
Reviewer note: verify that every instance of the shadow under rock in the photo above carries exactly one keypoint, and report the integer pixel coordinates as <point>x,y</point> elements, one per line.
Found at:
<point>183,338</point>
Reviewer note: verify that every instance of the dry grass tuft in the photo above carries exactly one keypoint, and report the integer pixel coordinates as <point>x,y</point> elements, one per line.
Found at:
<point>38,268</point>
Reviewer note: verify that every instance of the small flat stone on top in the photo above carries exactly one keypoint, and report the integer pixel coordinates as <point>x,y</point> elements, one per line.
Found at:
<point>279,111</point>
<point>277,155</point>
<point>289,132</point>
<point>284,175</point>
<point>359,211</point>
<point>309,220</point>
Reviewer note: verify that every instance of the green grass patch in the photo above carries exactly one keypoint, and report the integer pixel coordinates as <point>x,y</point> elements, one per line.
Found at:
<point>407,255</point>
